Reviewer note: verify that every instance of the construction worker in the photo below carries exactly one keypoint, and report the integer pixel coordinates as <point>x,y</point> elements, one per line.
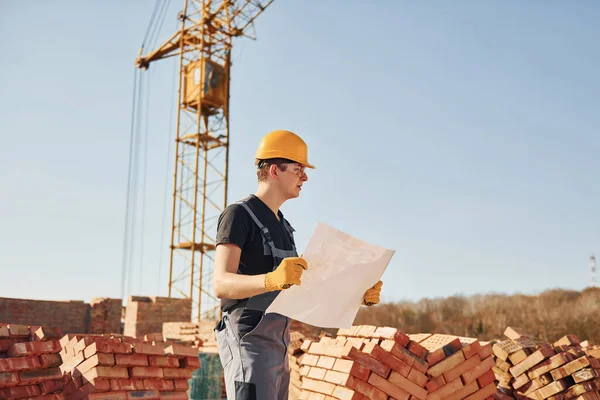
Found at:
<point>255,259</point>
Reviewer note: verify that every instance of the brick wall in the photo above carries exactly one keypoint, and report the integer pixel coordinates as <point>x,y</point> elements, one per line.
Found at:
<point>105,315</point>
<point>72,316</point>
<point>145,315</point>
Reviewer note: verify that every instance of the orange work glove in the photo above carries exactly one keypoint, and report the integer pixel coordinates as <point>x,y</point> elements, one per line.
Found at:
<point>371,297</point>
<point>288,273</point>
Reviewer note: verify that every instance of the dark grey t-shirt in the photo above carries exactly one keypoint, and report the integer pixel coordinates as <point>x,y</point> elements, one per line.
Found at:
<point>237,227</point>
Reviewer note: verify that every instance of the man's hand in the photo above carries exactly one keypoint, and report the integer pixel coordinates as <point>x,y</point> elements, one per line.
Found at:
<point>371,297</point>
<point>288,273</point>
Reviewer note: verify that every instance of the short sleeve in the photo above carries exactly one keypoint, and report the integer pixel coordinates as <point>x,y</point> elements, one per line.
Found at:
<point>234,226</point>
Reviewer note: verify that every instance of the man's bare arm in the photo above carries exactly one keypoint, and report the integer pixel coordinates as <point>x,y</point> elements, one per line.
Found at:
<point>230,285</point>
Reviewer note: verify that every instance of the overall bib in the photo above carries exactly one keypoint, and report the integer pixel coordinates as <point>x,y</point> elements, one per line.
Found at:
<point>256,364</point>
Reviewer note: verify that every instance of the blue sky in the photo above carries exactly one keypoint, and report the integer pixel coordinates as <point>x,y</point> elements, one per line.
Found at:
<point>464,135</point>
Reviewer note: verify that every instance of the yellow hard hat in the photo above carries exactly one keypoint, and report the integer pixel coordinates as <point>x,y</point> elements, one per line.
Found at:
<point>283,144</point>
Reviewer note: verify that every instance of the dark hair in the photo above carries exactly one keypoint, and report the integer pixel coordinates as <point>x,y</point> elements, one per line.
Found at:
<point>263,166</point>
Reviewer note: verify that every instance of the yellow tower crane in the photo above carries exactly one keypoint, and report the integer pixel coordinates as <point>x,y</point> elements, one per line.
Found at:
<point>203,44</point>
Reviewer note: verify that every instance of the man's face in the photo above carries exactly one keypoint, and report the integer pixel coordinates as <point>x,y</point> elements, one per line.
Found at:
<point>291,180</point>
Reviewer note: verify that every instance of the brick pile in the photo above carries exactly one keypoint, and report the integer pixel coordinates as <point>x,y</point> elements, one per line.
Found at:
<point>528,368</point>
<point>367,362</point>
<point>29,362</point>
<point>125,368</point>
<point>192,333</point>
<point>295,351</point>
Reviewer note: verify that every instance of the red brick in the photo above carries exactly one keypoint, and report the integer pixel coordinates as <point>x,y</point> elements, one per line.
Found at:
<point>408,385</point>
<point>392,334</point>
<point>194,362</point>
<point>366,389</point>
<point>464,392</point>
<point>16,330</point>
<point>6,343</point>
<point>105,347</point>
<point>471,349</point>
<point>181,384</point>
<point>81,343</point>
<point>535,358</point>
<point>420,365</point>
<point>20,392</point>
<point>174,395</point>
<point>131,360</point>
<point>33,348</point>
<point>485,351</point>
<point>143,394</point>
<point>39,375</point>
<point>483,393</point>
<point>435,356</point>
<point>126,384</point>
<point>53,385</point>
<point>163,362</point>
<point>158,384</point>
<point>474,373</point>
<point>19,363</point>
<point>48,397</point>
<point>398,351</point>
<point>417,377</point>
<point>388,387</point>
<point>352,353</point>
<point>417,349</point>
<point>106,372</point>
<point>461,368</point>
<point>108,396</point>
<point>181,350</point>
<point>486,378</point>
<point>446,390</point>
<point>178,372</point>
<point>353,368</point>
<point>50,360</point>
<point>48,333</point>
<point>387,358</point>
<point>435,383</point>
<point>148,349</point>
<point>100,384</point>
<point>147,372</point>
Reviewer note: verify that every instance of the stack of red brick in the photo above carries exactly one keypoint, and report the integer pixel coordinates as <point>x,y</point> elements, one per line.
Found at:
<point>367,362</point>
<point>528,368</point>
<point>29,362</point>
<point>126,368</point>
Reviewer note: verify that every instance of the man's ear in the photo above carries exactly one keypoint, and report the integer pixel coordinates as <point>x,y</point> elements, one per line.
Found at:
<point>273,171</point>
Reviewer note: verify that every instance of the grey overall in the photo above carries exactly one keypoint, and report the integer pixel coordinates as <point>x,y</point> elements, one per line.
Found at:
<point>256,364</point>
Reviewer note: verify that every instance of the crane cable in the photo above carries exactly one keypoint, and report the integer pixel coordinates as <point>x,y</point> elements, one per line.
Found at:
<point>153,30</point>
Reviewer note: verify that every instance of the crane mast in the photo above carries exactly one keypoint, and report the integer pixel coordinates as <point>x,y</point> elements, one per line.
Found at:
<point>200,178</point>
